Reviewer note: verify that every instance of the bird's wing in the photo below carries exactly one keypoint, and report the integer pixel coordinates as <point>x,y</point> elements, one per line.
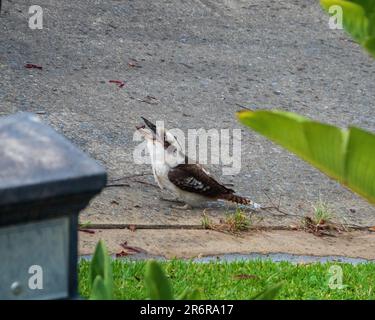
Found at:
<point>193,178</point>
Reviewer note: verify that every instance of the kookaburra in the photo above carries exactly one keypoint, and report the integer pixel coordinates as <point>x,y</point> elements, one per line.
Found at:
<point>173,171</point>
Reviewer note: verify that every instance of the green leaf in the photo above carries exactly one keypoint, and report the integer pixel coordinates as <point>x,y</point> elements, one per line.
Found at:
<point>157,283</point>
<point>360,163</point>
<point>100,268</point>
<point>99,290</point>
<point>370,45</point>
<point>190,294</point>
<point>268,293</point>
<point>358,20</point>
<point>345,155</point>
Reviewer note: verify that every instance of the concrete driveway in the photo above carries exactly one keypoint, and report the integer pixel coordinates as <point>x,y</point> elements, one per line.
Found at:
<point>191,63</point>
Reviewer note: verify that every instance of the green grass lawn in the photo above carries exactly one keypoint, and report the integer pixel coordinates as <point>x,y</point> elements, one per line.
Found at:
<point>242,280</point>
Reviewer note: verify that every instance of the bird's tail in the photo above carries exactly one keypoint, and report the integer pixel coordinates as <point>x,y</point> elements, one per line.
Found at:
<point>240,200</point>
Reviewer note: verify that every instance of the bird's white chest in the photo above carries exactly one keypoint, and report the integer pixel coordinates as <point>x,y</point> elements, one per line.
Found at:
<point>160,167</point>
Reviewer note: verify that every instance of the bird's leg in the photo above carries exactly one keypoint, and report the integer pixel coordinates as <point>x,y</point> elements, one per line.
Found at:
<point>184,207</point>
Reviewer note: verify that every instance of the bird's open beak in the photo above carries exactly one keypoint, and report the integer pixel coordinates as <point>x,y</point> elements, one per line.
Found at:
<point>148,130</point>
<point>149,124</point>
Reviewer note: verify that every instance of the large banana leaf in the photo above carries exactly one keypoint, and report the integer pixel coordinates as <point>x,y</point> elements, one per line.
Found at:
<point>358,20</point>
<point>347,155</point>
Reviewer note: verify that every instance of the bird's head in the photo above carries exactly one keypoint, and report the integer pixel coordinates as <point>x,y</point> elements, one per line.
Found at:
<point>160,136</point>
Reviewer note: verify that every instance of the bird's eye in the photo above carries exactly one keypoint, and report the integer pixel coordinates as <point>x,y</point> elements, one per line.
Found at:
<point>166,143</point>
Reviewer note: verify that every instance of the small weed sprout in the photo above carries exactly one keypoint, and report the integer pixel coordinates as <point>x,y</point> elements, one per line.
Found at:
<point>238,221</point>
<point>84,225</point>
<point>206,222</point>
<point>322,213</point>
<point>320,222</point>
<point>233,223</point>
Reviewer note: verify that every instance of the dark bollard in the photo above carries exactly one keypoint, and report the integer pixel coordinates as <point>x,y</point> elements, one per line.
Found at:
<point>45,182</point>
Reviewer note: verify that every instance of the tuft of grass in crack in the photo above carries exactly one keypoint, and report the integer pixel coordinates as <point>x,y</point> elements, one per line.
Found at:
<point>233,223</point>
<point>238,221</point>
<point>322,213</point>
<point>206,221</point>
<point>321,221</point>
